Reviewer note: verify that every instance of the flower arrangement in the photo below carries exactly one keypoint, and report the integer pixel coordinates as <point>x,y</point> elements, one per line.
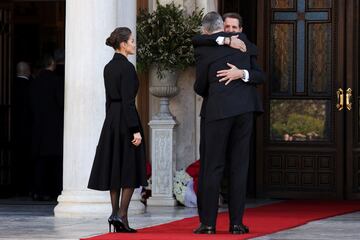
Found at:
<point>164,38</point>
<point>181,180</point>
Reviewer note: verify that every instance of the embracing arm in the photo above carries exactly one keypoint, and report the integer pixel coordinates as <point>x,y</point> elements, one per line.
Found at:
<point>204,40</point>
<point>254,75</point>
<point>233,40</point>
<point>201,84</point>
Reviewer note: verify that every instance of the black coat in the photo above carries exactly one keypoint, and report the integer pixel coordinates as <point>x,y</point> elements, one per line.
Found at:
<point>47,113</point>
<point>220,100</point>
<point>21,122</point>
<point>118,163</point>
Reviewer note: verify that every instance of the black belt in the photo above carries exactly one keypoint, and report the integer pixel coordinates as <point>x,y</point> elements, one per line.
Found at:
<point>115,100</point>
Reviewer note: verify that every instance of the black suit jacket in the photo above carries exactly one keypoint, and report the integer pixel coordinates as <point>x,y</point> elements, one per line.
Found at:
<point>220,100</point>
<point>47,112</point>
<point>21,122</point>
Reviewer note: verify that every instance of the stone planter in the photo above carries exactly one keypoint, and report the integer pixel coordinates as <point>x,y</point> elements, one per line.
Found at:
<point>163,88</point>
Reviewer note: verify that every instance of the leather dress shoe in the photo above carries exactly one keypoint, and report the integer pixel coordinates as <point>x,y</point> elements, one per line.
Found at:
<point>204,229</point>
<point>238,229</point>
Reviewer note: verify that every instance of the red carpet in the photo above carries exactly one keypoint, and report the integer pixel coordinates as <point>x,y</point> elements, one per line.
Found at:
<point>261,221</point>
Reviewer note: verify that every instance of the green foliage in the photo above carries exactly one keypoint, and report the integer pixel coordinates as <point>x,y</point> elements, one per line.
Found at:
<point>300,119</point>
<point>297,123</point>
<point>164,38</point>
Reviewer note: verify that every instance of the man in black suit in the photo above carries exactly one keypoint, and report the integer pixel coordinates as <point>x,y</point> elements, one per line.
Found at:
<point>47,106</point>
<point>227,121</point>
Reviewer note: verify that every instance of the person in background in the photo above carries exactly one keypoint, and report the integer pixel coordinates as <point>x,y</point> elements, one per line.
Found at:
<point>59,57</point>
<point>47,111</point>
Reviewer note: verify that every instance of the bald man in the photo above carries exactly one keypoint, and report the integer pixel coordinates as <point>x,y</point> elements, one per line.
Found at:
<point>21,127</point>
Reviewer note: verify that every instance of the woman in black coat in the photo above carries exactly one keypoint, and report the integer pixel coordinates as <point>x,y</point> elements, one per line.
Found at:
<point>119,162</point>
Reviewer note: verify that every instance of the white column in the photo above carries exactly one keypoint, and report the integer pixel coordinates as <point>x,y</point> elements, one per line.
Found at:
<point>126,17</point>
<point>88,24</point>
<point>207,5</point>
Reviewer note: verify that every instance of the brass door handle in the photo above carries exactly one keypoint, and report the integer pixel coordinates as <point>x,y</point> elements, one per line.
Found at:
<point>348,99</point>
<point>340,99</point>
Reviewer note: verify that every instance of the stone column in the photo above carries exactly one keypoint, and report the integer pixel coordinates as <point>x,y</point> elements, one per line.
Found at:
<point>163,157</point>
<point>162,132</point>
<point>207,5</point>
<point>88,23</point>
<point>126,17</point>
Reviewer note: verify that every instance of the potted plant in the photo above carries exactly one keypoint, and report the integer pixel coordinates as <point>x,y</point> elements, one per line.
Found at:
<point>164,47</point>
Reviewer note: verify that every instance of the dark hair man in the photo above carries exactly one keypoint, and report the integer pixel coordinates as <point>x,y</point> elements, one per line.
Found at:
<point>232,22</point>
<point>47,107</point>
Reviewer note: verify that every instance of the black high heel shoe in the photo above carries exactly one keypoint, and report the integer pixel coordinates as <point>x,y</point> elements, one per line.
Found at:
<point>126,228</point>
<point>116,222</point>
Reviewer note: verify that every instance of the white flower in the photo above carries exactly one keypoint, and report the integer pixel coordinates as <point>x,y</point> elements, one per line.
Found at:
<point>181,180</point>
<point>149,181</point>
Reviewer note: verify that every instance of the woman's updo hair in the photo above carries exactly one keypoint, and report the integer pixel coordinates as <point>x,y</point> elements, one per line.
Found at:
<point>119,35</point>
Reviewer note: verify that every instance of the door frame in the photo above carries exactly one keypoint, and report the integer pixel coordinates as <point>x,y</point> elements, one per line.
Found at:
<point>352,81</point>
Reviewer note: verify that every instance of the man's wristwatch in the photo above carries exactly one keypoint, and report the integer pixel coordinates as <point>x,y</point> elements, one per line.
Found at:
<point>227,41</point>
<point>223,40</point>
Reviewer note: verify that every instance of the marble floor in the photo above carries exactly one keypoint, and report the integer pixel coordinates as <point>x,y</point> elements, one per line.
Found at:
<point>35,220</point>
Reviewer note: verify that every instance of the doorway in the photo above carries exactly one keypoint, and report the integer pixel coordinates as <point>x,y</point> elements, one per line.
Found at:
<point>28,31</point>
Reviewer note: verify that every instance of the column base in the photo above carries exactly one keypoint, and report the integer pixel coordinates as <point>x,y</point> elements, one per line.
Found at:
<point>161,201</point>
<point>90,204</point>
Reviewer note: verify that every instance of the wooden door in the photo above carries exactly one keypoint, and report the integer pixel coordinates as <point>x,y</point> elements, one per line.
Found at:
<point>303,138</point>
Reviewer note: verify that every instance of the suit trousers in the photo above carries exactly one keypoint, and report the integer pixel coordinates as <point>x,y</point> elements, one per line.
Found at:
<point>224,140</point>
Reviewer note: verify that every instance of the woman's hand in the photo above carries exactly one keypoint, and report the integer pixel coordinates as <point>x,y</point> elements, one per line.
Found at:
<point>137,139</point>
